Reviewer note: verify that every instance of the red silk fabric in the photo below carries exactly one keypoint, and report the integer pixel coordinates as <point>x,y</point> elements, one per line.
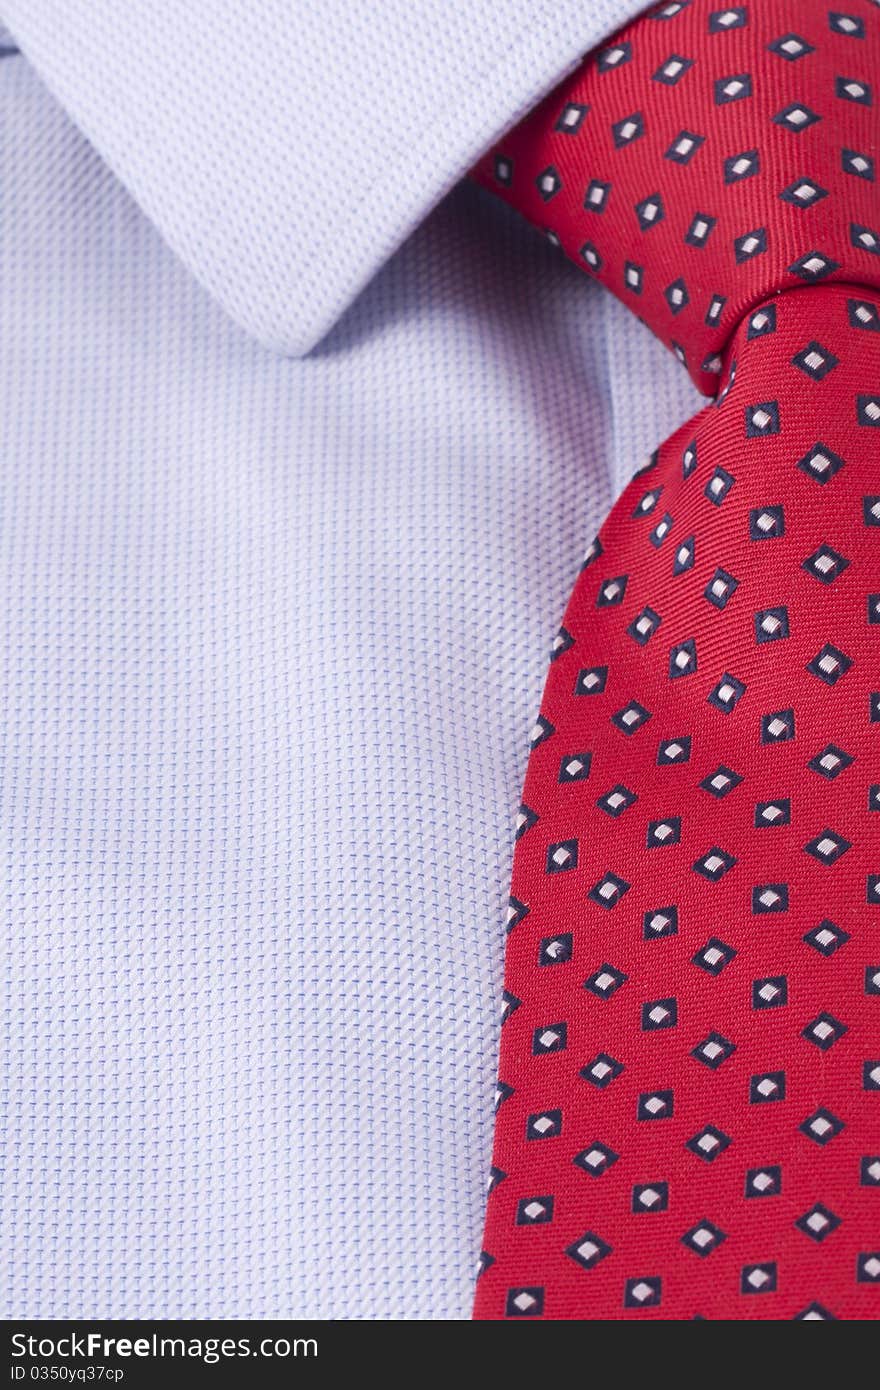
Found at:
<point>688,1114</point>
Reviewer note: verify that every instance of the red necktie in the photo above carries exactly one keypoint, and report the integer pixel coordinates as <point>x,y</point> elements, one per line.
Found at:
<point>688,1119</point>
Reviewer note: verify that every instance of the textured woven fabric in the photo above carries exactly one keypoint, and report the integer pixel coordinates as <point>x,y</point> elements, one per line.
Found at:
<point>270,634</point>
<point>230,122</point>
<point>688,1113</point>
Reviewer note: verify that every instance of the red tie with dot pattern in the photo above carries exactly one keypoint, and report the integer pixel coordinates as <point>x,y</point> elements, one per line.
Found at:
<point>688,1121</point>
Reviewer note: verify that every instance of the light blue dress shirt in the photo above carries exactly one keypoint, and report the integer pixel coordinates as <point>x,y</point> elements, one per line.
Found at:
<point>273,630</point>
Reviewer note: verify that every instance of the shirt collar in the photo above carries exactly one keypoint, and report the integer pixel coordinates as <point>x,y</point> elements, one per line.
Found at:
<point>285,149</point>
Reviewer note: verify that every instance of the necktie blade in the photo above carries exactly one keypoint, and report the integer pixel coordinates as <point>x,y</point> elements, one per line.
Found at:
<point>687,1110</point>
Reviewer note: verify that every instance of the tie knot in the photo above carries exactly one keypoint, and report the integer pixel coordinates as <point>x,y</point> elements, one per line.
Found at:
<point>708,158</point>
